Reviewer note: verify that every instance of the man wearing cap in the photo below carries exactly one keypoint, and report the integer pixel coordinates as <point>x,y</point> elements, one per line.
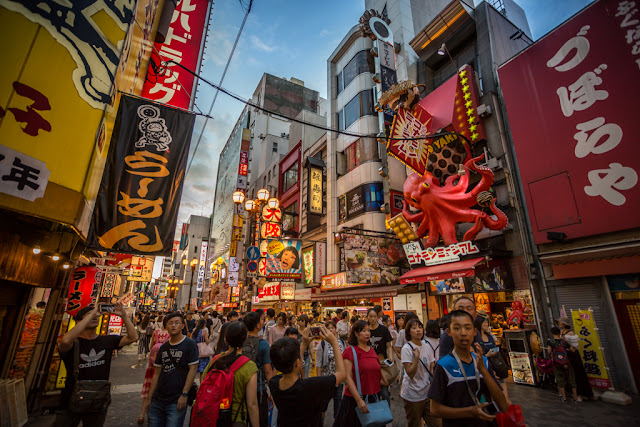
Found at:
<point>94,359</point>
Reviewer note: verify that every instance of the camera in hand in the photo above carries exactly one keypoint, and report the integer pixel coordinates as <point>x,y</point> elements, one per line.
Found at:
<point>315,331</point>
<point>107,308</point>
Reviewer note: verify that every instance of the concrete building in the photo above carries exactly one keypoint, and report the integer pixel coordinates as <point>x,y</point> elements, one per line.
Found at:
<point>196,232</point>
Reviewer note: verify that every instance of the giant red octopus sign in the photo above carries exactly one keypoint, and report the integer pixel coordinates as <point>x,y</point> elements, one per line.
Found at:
<point>440,188</point>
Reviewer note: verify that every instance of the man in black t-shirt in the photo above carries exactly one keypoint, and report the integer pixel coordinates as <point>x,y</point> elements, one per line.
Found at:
<point>301,402</point>
<point>94,359</point>
<point>463,383</point>
<point>175,370</point>
<point>465,304</point>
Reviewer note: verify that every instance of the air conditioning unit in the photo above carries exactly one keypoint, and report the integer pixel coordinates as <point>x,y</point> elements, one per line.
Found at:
<point>341,164</point>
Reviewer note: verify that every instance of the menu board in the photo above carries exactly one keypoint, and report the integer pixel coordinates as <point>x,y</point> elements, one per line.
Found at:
<point>372,260</point>
<point>521,368</point>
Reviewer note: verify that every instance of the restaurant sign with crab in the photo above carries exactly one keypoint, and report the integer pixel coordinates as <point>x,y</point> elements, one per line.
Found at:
<point>440,190</point>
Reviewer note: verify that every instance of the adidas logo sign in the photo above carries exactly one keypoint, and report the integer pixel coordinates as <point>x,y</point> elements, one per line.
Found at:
<point>92,359</point>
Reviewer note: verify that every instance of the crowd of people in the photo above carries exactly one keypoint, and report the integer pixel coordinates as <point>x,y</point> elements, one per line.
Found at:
<point>450,370</point>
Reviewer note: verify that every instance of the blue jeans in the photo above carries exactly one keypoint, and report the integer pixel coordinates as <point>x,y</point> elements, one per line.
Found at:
<point>161,415</point>
<point>384,393</point>
<point>307,366</point>
<point>337,400</point>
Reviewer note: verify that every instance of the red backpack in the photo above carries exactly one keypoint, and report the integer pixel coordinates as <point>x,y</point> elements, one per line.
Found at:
<point>560,355</point>
<point>213,403</point>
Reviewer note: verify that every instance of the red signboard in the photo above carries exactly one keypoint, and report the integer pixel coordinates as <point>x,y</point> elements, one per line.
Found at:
<point>569,100</point>
<point>84,287</point>
<point>174,86</point>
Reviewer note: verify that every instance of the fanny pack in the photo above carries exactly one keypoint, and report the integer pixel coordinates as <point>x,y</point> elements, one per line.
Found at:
<point>88,396</point>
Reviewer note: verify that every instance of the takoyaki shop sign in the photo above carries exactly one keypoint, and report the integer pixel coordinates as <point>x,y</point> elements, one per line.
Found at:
<point>440,255</point>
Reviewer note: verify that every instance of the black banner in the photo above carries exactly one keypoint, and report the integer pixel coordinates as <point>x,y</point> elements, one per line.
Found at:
<point>137,205</point>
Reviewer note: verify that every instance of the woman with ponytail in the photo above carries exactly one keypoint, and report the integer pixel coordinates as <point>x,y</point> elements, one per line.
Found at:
<point>245,380</point>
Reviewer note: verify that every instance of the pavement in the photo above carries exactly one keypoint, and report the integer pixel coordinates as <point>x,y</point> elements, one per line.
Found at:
<point>540,407</point>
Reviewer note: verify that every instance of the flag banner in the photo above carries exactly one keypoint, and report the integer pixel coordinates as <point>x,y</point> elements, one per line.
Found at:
<point>137,206</point>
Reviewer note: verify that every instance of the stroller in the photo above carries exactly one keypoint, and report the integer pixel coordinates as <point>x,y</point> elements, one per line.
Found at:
<point>545,367</point>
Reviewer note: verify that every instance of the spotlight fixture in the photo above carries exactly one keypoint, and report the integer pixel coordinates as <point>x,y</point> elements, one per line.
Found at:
<point>442,51</point>
<point>65,265</point>
<point>36,250</point>
<point>56,257</point>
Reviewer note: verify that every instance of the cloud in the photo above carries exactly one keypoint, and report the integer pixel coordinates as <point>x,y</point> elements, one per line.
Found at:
<point>258,43</point>
<point>324,32</point>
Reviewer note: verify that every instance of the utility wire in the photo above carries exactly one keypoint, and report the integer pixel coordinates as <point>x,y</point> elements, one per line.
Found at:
<point>295,119</point>
<point>224,73</point>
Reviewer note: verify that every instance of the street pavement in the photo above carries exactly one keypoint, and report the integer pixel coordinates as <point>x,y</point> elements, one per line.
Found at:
<point>540,407</point>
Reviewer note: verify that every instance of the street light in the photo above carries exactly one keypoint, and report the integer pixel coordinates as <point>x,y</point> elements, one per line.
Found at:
<point>263,195</point>
<point>249,205</point>
<point>238,197</point>
<point>273,203</point>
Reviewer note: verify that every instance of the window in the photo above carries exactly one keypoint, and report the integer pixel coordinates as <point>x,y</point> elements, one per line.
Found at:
<point>275,147</point>
<point>362,62</point>
<point>290,177</point>
<point>269,176</point>
<point>361,105</point>
<point>361,151</point>
<point>290,217</point>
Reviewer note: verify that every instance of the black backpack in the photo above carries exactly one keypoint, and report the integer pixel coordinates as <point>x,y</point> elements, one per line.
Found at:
<point>250,347</point>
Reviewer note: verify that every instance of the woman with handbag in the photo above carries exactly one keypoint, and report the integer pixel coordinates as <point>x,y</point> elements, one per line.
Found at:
<point>418,360</point>
<point>491,350</point>
<point>159,337</point>
<point>201,337</point>
<point>363,381</point>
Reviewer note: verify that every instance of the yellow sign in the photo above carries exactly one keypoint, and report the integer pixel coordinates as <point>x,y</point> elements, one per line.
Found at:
<point>237,221</point>
<point>233,249</point>
<point>315,190</point>
<point>275,247</point>
<point>590,348</point>
<point>143,266</point>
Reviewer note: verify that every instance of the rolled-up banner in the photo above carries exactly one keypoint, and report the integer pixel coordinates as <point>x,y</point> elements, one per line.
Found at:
<point>137,206</point>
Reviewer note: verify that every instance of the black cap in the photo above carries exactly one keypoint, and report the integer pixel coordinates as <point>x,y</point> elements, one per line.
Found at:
<point>82,312</point>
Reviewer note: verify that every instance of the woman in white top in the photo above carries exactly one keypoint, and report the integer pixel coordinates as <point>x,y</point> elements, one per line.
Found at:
<point>418,361</point>
<point>432,338</point>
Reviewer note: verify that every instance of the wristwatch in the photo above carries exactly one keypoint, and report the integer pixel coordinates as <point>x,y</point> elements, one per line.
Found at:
<point>184,394</point>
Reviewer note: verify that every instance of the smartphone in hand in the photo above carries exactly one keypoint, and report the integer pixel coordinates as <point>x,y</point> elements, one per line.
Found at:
<point>388,362</point>
<point>491,409</point>
<point>315,331</point>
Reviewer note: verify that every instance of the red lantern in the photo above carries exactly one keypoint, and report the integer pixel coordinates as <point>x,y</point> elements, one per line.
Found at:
<point>84,288</point>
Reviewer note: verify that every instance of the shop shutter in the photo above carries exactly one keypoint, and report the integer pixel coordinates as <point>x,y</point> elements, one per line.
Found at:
<point>585,296</point>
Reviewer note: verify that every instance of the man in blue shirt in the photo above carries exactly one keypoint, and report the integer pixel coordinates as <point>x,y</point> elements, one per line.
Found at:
<point>257,350</point>
<point>463,383</point>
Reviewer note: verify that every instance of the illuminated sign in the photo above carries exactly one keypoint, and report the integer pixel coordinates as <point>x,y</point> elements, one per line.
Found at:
<point>270,229</point>
<point>440,255</point>
<point>315,191</point>
<point>307,260</point>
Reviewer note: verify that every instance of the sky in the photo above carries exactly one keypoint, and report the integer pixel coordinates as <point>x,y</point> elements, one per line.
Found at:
<point>286,38</point>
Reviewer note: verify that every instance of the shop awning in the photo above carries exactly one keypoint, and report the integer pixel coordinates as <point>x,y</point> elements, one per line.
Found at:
<point>359,292</point>
<point>440,272</point>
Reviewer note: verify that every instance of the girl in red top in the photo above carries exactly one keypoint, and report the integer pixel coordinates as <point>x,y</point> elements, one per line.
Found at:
<point>370,378</point>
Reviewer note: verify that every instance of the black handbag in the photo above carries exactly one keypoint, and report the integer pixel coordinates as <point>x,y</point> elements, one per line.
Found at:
<point>499,366</point>
<point>88,396</point>
<point>193,390</point>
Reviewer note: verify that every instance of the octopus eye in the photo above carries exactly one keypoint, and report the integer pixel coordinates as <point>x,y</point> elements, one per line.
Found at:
<point>425,185</point>
<point>414,200</point>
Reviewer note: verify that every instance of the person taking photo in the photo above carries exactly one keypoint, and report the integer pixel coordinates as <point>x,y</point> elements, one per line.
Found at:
<point>301,402</point>
<point>93,361</point>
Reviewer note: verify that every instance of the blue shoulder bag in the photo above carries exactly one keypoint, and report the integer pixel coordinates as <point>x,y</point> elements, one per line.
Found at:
<point>379,412</point>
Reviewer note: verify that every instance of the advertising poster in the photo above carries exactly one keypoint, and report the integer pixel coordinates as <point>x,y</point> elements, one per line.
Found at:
<point>590,349</point>
<point>373,260</point>
<point>521,368</point>
<point>284,261</point>
<point>455,285</point>
<point>495,278</point>
<point>307,260</point>
<point>364,198</point>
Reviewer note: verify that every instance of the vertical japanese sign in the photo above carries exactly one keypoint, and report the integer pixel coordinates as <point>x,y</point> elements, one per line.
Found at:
<point>307,260</point>
<point>137,206</point>
<point>183,43</point>
<point>590,349</point>
<point>84,288</point>
<point>320,264</point>
<point>201,269</point>
<point>315,190</point>
<point>109,285</point>
<point>574,127</point>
